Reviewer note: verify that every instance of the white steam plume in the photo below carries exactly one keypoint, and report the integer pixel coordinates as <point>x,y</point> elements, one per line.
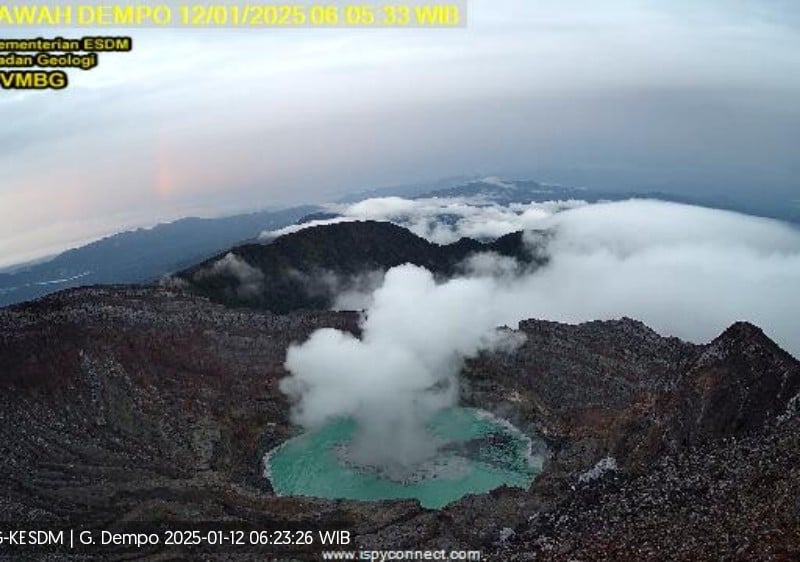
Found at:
<point>415,337</point>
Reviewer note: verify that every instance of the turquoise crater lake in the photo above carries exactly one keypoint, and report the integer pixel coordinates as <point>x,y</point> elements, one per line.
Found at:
<point>477,452</point>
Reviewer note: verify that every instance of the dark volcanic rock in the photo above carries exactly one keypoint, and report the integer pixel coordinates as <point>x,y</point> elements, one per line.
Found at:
<point>123,404</point>
<point>732,499</point>
<point>115,396</point>
<point>740,381</point>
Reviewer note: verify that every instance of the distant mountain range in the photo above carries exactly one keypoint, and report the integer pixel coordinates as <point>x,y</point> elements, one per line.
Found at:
<point>505,192</point>
<point>143,255</point>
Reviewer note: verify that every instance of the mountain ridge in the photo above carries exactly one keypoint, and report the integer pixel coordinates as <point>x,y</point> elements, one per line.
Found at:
<point>306,269</point>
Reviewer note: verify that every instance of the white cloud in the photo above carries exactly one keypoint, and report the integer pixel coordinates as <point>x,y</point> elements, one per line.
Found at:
<point>442,220</point>
<point>685,271</point>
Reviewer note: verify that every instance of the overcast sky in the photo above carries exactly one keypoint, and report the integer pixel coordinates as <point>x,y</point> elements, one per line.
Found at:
<point>211,121</point>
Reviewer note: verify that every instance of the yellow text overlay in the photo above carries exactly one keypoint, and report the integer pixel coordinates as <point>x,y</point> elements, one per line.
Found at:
<point>235,14</point>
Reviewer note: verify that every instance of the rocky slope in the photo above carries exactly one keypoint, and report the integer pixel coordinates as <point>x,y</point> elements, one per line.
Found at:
<point>122,404</point>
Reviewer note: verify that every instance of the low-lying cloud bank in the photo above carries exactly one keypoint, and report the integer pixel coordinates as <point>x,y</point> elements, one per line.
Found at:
<point>685,271</point>
<point>442,220</point>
